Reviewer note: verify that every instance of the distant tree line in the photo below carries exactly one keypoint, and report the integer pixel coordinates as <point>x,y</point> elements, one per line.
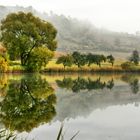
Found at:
<point>84,59</point>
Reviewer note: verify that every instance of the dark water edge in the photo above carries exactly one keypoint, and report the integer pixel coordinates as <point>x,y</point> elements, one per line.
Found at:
<point>102,70</point>
<point>92,71</point>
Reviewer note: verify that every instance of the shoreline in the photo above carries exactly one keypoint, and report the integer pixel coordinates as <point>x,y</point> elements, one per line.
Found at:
<point>49,71</point>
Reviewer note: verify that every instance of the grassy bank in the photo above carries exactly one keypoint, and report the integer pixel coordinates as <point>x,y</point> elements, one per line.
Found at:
<point>15,67</point>
<point>105,67</point>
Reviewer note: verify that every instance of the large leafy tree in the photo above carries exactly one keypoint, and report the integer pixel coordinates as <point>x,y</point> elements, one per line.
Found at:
<point>22,32</point>
<point>95,59</point>
<point>110,59</point>
<point>99,59</point>
<point>135,57</point>
<point>79,59</point>
<point>91,58</point>
<point>66,60</point>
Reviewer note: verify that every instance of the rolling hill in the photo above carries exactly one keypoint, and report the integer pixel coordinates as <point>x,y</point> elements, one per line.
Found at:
<point>77,35</point>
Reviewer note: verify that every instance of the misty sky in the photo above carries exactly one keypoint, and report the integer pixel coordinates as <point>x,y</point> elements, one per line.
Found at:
<point>116,15</point>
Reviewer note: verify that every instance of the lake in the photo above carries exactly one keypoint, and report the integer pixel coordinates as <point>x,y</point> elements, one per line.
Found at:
<point>93,106</point>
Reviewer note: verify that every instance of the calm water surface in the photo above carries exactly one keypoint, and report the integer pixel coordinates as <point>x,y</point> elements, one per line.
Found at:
<point>100,107</point>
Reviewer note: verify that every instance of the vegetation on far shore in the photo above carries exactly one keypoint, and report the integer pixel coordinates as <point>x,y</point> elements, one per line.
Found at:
<point>15,67</point>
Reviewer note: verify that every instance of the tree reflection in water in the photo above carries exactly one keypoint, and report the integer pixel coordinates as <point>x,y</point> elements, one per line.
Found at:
<point>135,86</point>
<point>84,84</point>
<point>28,103</point>
<point>133,81</point>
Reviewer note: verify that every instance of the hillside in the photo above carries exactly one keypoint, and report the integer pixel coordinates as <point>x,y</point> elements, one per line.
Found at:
<point>82,36</point>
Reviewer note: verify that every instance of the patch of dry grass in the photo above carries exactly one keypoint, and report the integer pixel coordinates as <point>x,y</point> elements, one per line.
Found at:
<point>53,67</point>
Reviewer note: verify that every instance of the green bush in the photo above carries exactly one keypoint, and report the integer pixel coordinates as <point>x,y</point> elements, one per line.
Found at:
<point>39,57</point>
<point>127,65</point>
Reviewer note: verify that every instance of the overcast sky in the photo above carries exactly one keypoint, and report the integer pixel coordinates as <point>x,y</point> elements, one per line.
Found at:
<point>116,15</point>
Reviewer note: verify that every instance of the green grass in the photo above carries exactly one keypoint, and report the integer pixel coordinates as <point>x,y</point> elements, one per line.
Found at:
<point>15,67</point>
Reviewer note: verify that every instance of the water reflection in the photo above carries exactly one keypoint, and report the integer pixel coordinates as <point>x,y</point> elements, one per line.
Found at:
<point>27,103</point>
<point>79,84</point>
<point>3,84</point>
<point>133,82</point>
<point>101,92</point>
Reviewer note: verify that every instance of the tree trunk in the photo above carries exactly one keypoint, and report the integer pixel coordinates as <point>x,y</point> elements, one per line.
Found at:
<point>112,64</point>
<point>24,59</point>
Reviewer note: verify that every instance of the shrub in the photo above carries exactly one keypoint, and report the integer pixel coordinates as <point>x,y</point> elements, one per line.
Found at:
<point>38,58</point>
<point>127,65</point>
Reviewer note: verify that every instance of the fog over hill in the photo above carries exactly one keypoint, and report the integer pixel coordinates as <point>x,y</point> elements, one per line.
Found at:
<point>74,34</point>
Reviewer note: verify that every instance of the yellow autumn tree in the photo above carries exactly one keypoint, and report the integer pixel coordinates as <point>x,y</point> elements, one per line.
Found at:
<point>3,64</point>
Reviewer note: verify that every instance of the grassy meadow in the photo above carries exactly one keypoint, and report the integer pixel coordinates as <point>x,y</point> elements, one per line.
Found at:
<point>15,67</point>
<point>52,66</point>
